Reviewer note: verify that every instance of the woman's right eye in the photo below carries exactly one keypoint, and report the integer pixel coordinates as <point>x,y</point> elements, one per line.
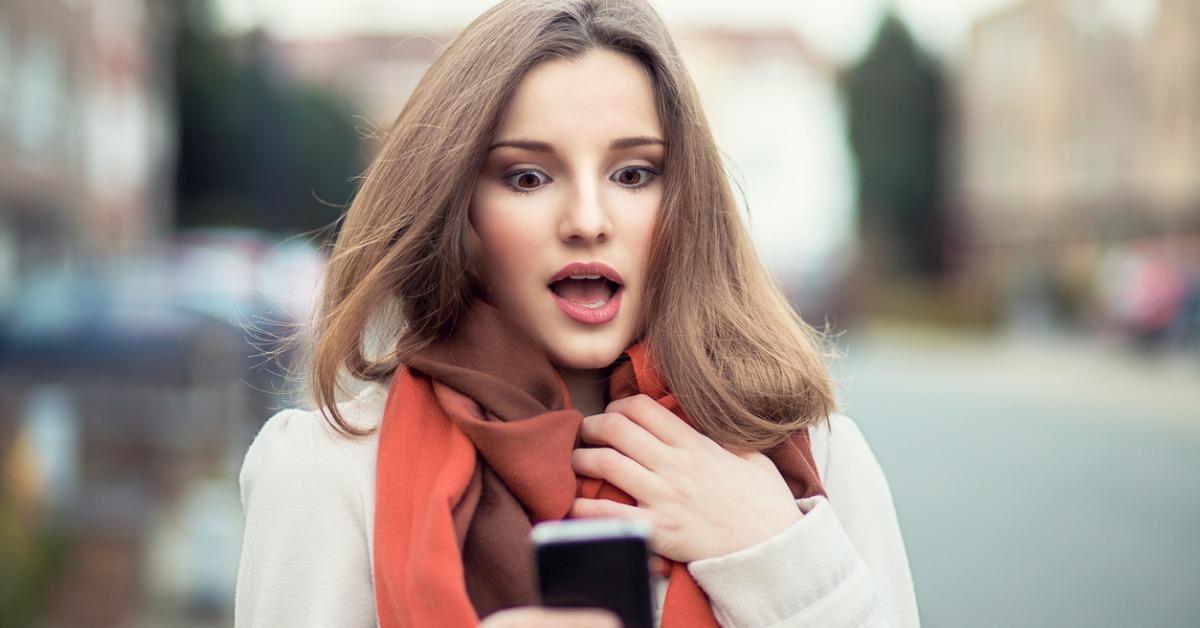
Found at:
<point>525,181</point>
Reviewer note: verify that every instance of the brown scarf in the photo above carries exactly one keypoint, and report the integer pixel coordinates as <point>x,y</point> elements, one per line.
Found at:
<point>474,448</point>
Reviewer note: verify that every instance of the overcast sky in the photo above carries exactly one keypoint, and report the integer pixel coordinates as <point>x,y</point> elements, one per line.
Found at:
<point>840,29</point>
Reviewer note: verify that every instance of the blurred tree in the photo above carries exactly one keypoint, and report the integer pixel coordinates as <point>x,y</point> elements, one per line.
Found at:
<point>894,105</point>
<point>255,150</point>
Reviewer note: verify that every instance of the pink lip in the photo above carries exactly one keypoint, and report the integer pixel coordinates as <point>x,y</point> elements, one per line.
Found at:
<point>602,314</point>
<point>589,268</point>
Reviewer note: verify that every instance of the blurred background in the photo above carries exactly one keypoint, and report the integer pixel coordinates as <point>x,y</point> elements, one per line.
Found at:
<point>996,203</point>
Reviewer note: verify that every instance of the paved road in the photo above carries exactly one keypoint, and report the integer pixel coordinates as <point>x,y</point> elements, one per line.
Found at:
<point>1038,481</point>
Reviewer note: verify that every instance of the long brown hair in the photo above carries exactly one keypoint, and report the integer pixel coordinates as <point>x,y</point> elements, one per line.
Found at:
<point>743,364</point>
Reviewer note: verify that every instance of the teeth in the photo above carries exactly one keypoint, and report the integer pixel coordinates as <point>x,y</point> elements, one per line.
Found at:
<point>593,305</point>
<point>584,276</point>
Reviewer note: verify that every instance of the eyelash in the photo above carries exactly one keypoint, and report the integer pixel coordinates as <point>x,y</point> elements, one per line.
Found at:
<point>506,178</point>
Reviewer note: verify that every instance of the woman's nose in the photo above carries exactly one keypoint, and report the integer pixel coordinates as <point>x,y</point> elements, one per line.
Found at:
<point>585,218</point>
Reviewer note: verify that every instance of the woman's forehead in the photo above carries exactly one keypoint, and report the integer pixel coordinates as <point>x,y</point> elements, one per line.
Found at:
<point>596,98</point>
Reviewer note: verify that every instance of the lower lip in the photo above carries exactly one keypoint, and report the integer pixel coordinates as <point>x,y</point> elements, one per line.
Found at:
<point>602,314</point>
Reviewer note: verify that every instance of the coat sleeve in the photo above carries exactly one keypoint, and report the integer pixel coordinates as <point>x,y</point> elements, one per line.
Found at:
<point>842,565</point>
<point>305,558</point>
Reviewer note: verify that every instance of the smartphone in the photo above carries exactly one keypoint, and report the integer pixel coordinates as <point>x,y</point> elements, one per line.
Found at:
<point>596,563</point>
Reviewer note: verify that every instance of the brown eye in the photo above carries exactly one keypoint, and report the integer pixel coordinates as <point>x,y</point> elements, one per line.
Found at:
<point>635,177</point>
<point>525,180</point>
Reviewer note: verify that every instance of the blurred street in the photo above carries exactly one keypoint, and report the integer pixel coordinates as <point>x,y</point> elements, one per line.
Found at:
<point>1039,480</point>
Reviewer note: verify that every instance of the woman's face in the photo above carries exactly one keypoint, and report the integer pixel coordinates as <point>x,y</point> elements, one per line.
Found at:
<point>572,177</point>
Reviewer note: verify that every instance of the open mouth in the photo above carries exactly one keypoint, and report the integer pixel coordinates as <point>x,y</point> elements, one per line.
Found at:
<point>590,291</point>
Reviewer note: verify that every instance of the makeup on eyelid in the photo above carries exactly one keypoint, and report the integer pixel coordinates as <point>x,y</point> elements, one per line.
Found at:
<point>648,176</point>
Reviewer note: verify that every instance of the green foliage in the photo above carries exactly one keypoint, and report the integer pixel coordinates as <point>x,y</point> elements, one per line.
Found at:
<point>255,149</point>
<point>895,110</point>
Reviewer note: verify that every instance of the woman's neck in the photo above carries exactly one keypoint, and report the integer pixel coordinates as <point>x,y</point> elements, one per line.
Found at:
<point>588,389</point>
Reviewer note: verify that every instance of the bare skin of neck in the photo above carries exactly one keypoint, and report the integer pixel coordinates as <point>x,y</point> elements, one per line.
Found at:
<point>588,389</point>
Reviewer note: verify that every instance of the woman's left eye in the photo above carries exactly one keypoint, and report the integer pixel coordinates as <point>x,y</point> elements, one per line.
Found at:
<point>635,176</point>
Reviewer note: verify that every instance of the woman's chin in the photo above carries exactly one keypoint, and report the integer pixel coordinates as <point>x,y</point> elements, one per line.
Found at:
<point>585,356</point>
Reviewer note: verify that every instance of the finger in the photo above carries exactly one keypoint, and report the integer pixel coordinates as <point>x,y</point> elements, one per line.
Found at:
<point>618,469</point>
<point>656,419</point>
<point>626,436</point>
<point>750,455</point>
<point>580,618</point>
<point>586,508</point>
<point>530,616</point>
<point>658,565</point>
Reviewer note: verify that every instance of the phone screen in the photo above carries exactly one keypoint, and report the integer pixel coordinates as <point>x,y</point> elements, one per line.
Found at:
<point>600,573</point>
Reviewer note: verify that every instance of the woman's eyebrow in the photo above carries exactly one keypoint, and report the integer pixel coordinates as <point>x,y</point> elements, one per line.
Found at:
<point>544,147</point>
<point>629,142</point>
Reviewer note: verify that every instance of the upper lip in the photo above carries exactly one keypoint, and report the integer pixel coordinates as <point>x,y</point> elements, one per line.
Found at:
<point>579,269</point>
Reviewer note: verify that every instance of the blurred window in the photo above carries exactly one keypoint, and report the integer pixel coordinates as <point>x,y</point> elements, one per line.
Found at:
<point>39,97</point>
<point>6,69</point>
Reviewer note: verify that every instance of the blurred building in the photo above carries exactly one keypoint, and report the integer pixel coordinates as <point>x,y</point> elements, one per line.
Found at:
<point>1171,166</point>
<point>1076,132</point>
<point>773,103</point>
<point>86,161</point>
<point>85,129</point>
<point>375,73</point>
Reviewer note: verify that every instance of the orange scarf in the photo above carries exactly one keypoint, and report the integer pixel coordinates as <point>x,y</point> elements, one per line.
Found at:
<point>474,448</point>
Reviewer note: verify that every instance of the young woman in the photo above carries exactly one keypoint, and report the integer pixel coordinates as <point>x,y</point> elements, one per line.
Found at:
<point>547,290</point>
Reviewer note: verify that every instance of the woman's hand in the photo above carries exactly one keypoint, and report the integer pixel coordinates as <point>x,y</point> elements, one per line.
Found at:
<point>541,617</point>
<point>703,500</point>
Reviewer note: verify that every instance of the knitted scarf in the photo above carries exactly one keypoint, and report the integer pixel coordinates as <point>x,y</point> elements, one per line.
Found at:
<point>474,448</point>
